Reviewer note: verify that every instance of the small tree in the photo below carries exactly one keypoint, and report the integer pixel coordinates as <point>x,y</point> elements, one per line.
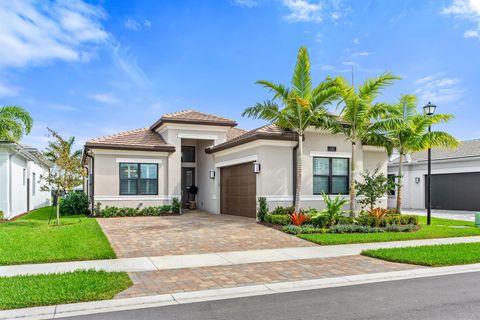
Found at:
<point>374,186</point>
<point>67,171</point>
<point>262,210</point>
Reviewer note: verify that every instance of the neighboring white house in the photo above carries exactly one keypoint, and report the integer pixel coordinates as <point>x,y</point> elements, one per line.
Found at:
<point>455,178</point>
<point>231,167</point>
<point>20,171</point>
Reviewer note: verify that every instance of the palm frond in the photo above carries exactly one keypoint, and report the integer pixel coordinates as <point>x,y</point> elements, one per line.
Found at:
<point>372,87</point>
<point>302,81</point>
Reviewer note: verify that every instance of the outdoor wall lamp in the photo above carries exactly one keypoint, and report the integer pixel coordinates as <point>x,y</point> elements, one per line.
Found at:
<point>417,180</point>
<point>256,167</point>
<point>212,174</point>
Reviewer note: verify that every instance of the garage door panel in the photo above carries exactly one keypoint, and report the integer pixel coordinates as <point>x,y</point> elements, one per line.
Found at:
<point>456,191</point>
<point>238,190</point>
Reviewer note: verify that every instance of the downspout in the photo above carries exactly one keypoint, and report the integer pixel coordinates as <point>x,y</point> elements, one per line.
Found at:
<point>10,179</point>
<point>86,185</point>
<point>92,181</point>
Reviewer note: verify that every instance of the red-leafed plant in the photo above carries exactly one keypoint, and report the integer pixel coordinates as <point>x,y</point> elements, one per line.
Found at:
<point>378,212</point>
<point>299,218</point>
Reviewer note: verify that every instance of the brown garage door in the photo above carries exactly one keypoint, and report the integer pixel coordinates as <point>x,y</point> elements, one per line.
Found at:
<point>238,190</point>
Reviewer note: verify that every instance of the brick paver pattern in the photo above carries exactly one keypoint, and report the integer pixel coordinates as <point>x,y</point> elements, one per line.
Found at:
<point>193,279</point>
<point>192,233</point>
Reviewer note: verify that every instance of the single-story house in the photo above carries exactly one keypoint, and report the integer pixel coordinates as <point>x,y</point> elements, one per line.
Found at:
<point>20,185</point>
<point>231,167</point>
<point>455,178</point>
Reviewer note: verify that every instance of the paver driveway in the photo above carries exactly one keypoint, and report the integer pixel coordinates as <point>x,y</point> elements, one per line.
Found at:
<point>191,233</point>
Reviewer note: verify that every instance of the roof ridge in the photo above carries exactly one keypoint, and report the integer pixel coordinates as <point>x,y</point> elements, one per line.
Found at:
<point>119,134</point>
<point>176,113</point>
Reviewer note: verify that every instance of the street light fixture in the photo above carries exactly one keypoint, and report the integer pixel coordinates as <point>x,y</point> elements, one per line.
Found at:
<point>429,110</point>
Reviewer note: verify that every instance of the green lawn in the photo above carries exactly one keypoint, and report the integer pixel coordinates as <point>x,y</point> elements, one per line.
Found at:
<point>32,240</point>
<point>43,290</point>
<point>433,256</point>
<point>440,228</point>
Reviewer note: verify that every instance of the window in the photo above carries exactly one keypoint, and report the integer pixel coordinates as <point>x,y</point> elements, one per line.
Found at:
<point>330,175</point>
<point>138,178</point>
<point>188,154</point>
<point>391,182</point>
<point>34,184</point>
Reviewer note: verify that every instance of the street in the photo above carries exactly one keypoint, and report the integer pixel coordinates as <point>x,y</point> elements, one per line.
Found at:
<point>444,297</point>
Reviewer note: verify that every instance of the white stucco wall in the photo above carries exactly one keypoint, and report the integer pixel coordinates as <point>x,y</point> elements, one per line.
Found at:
<point>413,193</point>
<point>16,171</point>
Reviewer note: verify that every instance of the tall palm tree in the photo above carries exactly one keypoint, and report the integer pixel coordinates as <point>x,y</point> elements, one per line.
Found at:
<point>297,107</point>
<point>406,130</point>
<point>358,109</point>
<point>14,123</point>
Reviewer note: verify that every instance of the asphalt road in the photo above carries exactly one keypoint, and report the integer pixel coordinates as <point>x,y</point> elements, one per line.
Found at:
<point>446,297</point>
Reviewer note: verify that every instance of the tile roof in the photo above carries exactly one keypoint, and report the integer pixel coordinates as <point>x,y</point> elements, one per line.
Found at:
<point>467,148</point>
<point>232,133</point>
<point>193,117</point>
<point>268,132</point>
<point>138,139</point>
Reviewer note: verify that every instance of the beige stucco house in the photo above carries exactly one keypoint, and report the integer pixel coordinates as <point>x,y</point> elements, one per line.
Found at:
<point>231,167</point>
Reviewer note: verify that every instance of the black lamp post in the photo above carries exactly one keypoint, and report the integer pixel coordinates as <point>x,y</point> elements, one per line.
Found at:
<point>429,110</point>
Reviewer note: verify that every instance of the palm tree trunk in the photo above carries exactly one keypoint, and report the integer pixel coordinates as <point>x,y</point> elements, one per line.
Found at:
<point>352,182</point>
<point>398,209</point>
<point>299,172</point>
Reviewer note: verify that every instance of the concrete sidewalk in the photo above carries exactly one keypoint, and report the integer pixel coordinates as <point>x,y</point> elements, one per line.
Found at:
<point>95,307</point>
<point>220,258</point>
<point>444,214</point>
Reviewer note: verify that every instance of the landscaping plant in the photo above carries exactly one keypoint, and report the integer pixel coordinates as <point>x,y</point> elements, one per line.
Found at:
<point>298,107</point>
<point>406,131</point>
<point>283,219</point>
<point>333,211</point>
<point>74,203</point>
<point>262,208</point>
<point>14,123</point>
<point>176,205</point>
<point>378,212</point>
<point>299,218</point>
<point>374,186</point>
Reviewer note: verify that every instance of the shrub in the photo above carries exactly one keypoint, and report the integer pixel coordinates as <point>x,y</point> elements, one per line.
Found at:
<point>401,228</point>
<point>74,203</point>
<point>283,219</point>
<point>108,212</point>
<point>299,218</point>
<point>354,228</point>
<point>374,186</point>
<point>312,229</point>
<point>176,205</point>
<point>283,210</point>
<point>2,215</point>
<point>262,208</point>
<point>388,220</point>
<point>409,219</point>
<point>292,229</point>
<point>319,220</point>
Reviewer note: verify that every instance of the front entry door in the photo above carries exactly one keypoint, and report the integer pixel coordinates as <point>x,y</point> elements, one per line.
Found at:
<point>188,180</point>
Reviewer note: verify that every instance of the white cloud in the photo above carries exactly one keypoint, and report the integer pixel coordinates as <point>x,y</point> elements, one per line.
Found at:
<point>318,37</point>
<point>245,3</point>
<point>356,41</point>
<point>128,64</point>
<point>63,107</point>
<point>135,24</point>
<point>468,10</point>
<point>362,54</point>
<point>315,11</point>
<point>7,90</point>
<point>34,33</point>
<point>439,89</point>
<point>106,97</point>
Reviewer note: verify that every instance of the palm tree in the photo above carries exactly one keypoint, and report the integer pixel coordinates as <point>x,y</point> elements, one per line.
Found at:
<point>14,123</point>
<point>407,133</point>
<point>358,110</point>
<point>298,107</point>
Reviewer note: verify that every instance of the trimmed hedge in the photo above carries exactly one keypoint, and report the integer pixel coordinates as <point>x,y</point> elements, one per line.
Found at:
<point>355,228</point>
<point>392,219</point>
<point>283,219</point>
<point>74,203</point>
<point>109,212</point>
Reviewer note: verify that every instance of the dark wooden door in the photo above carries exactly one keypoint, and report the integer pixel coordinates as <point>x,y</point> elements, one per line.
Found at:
<point>188,180</point>
<point>238,190</point>
<point>455,191</point>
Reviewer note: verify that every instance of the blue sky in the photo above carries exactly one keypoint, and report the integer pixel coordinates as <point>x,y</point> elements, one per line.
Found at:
<point>94,68</point>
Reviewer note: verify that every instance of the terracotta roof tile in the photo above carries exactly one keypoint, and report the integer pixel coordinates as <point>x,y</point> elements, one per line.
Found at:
<point>194,117</point>
<point>232,133</point>
<point>140,139</point>
<point>269,132</point>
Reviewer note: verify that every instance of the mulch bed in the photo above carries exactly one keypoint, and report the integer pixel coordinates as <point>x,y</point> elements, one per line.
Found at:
<point>271,225</point>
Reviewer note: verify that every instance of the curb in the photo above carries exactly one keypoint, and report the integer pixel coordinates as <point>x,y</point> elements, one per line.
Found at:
<point>85,308</point>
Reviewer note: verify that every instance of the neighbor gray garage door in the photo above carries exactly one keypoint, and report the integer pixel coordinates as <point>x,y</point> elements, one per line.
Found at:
<point>456,191</point>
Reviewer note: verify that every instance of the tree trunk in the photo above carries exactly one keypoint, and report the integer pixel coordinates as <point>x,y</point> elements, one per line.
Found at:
<point>398,209</point>
<point>299,172</point>
<point>352,183</point>
<point>58,211</point>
